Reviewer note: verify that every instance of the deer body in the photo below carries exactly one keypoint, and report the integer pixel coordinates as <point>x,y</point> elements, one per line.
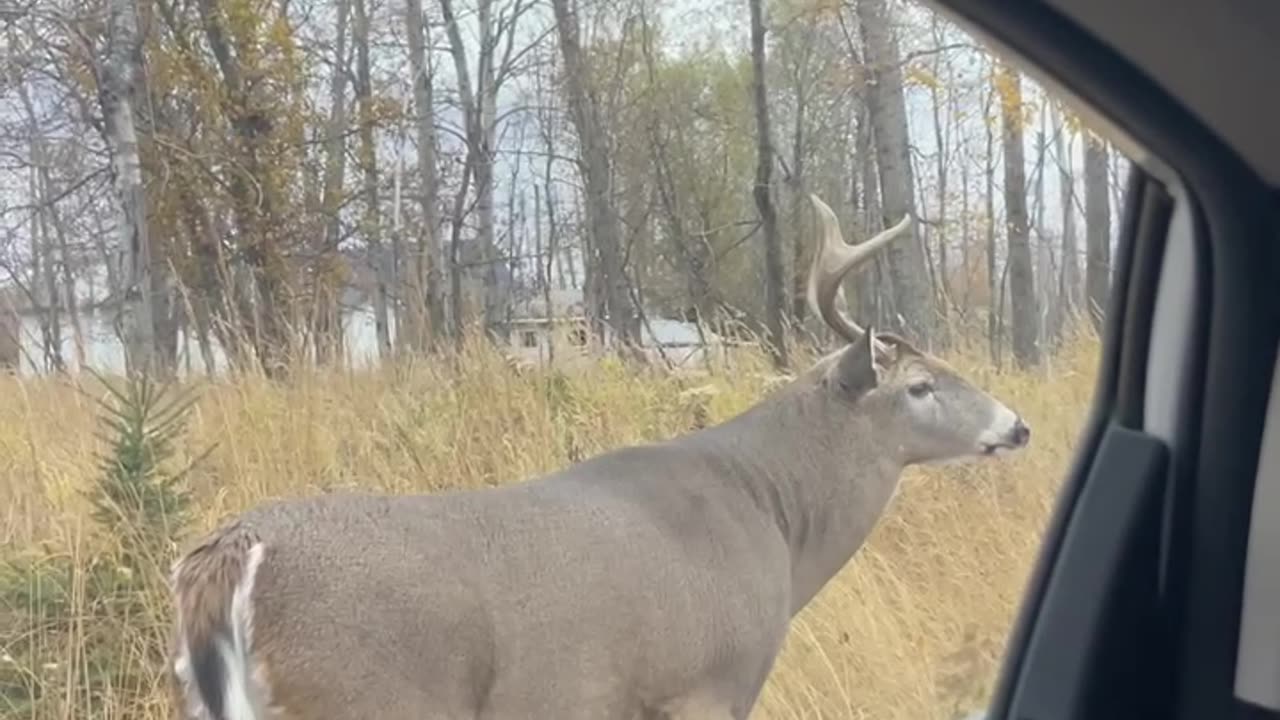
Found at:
<point>656,581</point>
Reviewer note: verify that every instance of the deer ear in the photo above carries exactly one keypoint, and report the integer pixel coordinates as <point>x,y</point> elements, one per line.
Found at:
<point>855,372</point>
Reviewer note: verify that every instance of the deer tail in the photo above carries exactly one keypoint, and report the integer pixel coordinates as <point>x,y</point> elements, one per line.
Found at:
<point>213,662</point>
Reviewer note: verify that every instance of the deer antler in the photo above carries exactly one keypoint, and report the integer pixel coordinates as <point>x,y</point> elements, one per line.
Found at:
<point>832,260</point>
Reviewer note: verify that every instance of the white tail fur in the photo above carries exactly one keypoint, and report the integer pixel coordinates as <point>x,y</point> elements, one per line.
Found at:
<point>220,662</point>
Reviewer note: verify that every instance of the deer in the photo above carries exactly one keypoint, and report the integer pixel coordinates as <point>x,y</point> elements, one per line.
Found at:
<point>651,582</point>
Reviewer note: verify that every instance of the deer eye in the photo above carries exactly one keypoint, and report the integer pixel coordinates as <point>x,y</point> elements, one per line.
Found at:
<point>920,389</point>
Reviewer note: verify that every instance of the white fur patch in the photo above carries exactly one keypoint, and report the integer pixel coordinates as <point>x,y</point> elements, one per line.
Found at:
<point>175,570</point>
<point>243,695</point>
<point>182,669</point>
<point>1001,427</point>
<point>241,698</point>
<point>194,706</point>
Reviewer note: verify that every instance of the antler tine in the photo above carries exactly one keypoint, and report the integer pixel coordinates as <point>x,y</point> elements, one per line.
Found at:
<point>833,259</point>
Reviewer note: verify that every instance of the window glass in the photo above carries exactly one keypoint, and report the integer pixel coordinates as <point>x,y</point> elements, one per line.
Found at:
<point>318,247</point>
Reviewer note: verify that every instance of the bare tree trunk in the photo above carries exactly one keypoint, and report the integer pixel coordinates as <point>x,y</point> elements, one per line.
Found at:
<point>799,202</point>
<point>110,260</point>
<point>427,288</point>
<point>966,241</point>
<point>325,321</point>
<point>484,172</point>
<point>926,233</point>
<point>47,220</point>
<point>887,101</point>
<point>567,258</point>
<point>606,230</point>
<point>497,277</point>
<point>960,144</point>
<point>10,334</point>
<point>995,330</point>
<point>544,266</point>
<point>369,163</point>
<point>866,279</point>
<point>1021,280</point>
<point>1069,276</point>
<point>202,295</point>
<point>467,259</point>
<point>457,305</point>
<point>68,277</point>
<point>1042,249</point>
<point>774,304</point>
<point>503,269</point>
<point>202,318</point>
<point>555,254</point>
<point>1116,178</point>
<point>118,74</point>
<point>693,255</point>
<point>595,304</point>
<point>44,285</point>
<point>942,141</point>
<point>486,275</point>
<point>1097,227</point>
<point>265,295</point>
<point>404,295</point>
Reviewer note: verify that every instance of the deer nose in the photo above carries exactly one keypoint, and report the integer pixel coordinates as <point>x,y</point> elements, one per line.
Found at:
<point>1020,434</point>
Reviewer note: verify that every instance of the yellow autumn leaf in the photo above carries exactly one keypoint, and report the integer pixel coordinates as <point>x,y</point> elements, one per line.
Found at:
<point>918,74</point>
<point>1072,122</point>
<point>280,34</point>
<point>1006,82</point>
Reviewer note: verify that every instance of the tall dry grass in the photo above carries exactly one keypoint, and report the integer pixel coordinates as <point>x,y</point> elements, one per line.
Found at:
<point>912,628</point>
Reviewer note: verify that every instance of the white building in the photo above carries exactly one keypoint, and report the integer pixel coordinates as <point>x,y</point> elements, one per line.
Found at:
<point>563,336</point>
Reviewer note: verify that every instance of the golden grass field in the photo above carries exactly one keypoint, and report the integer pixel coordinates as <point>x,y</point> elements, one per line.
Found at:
<point>912,628</point>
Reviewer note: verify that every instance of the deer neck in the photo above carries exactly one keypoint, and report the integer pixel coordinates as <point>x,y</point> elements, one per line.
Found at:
<point>823,483</point>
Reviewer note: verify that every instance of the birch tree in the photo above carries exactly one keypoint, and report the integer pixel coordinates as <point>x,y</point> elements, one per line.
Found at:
<point>326,324</point>
<point>886,98</point>
<point>372,222</point>
<point>1069,285</point>
<point>118,71</point>
<point>995,281</point>
<point>602,213</point>
<point>485,272</point>
<point>427,284</point>
<point>775,298</point>
<point>1021,279</point>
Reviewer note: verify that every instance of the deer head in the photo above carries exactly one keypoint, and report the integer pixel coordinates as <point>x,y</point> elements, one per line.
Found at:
<point>932,413</point>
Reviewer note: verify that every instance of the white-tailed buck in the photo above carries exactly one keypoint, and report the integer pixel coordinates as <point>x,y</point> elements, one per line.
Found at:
<point>648,582</point>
